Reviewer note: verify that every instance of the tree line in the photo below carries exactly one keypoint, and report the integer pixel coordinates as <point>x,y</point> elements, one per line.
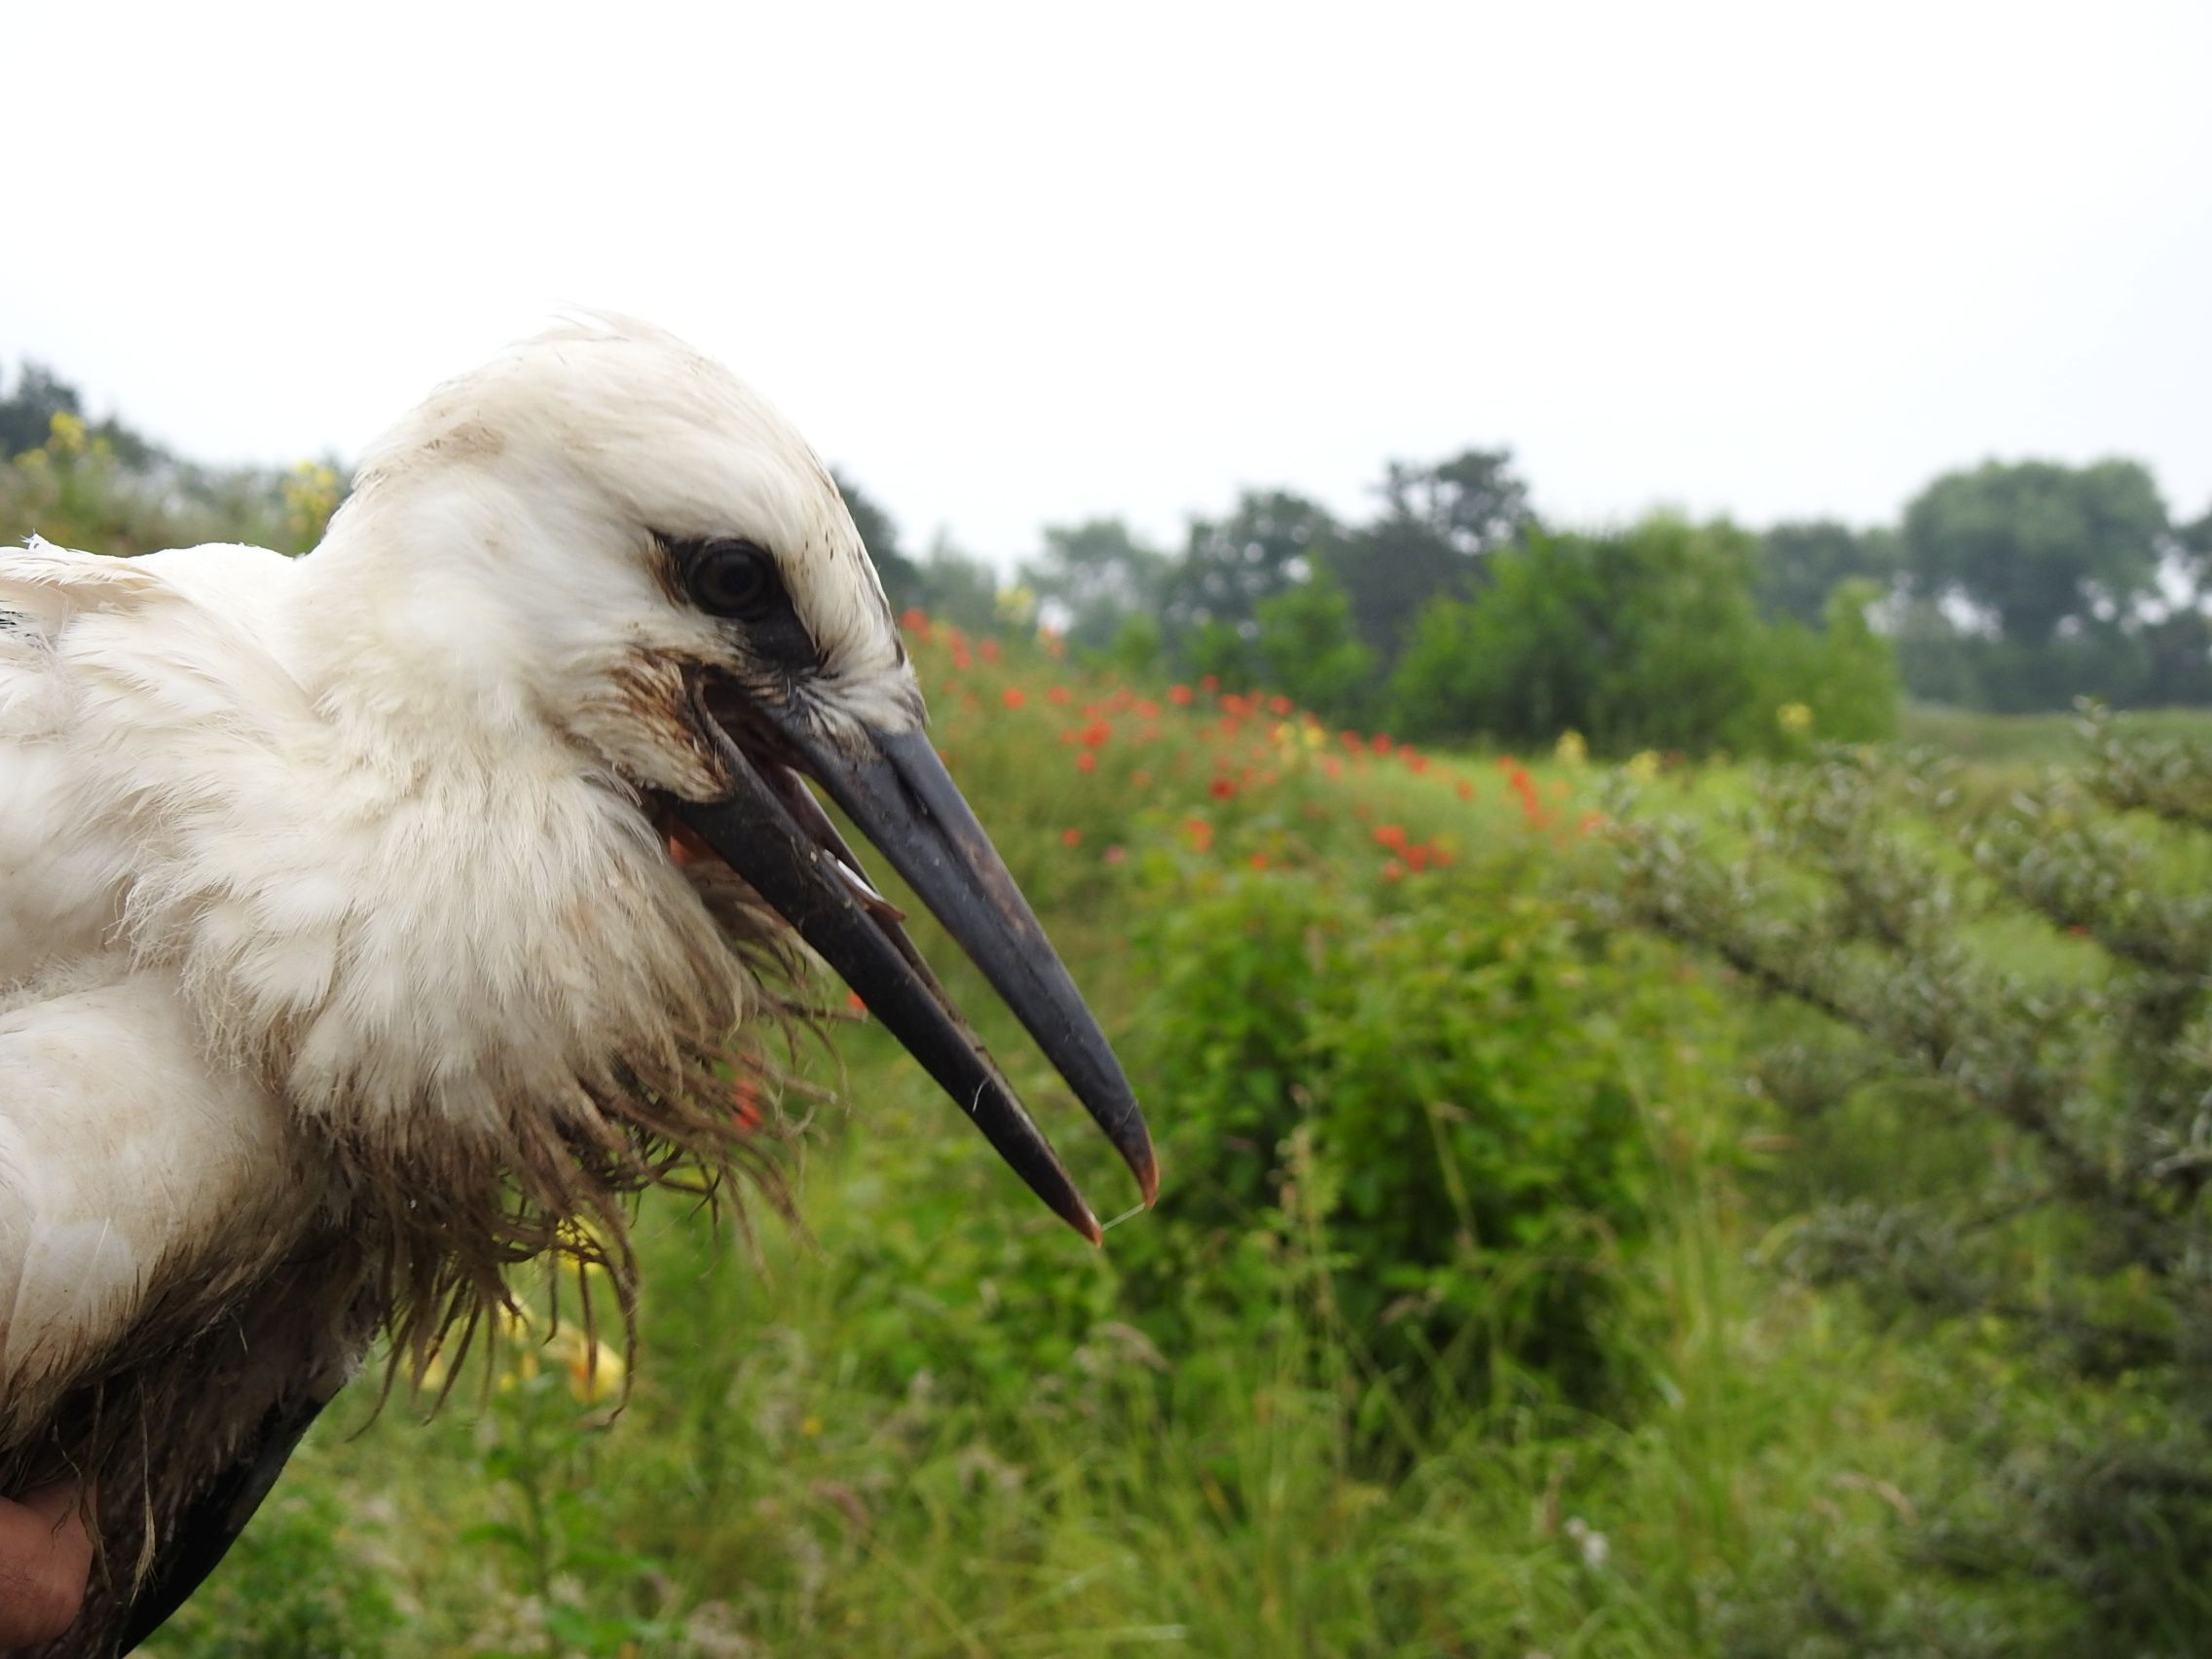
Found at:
<point>1453,611</point>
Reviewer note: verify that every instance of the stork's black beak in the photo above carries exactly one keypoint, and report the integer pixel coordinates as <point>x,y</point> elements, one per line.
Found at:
<point>898,793</point>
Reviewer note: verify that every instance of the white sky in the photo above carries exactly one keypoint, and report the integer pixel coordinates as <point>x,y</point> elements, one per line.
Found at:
<point>1021,265</point>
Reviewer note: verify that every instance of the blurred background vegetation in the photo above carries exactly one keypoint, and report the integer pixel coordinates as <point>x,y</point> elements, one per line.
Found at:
<point>1669,1147</point>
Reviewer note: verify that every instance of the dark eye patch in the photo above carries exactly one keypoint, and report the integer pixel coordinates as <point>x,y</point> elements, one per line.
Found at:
<point>737,580</point>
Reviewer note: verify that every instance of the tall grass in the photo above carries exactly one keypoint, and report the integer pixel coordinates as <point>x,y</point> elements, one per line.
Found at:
<point>768,1482</point>
<point>935,1424</point>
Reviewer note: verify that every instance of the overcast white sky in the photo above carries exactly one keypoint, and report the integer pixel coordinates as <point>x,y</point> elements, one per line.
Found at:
<point>1011,266</point>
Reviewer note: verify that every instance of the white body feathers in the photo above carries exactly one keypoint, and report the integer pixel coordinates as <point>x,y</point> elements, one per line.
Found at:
<point>326,898</point>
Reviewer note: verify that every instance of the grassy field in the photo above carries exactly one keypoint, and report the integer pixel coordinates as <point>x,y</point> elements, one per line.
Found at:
<point>2003,739</point>
<point>1398,1367</point>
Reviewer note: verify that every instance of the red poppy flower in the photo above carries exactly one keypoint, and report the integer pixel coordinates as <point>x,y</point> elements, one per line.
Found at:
<point>745,1105</point>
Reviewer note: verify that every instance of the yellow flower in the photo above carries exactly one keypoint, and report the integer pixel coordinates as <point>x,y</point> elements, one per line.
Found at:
<point>1644,768</point>
<point>595,1369</point>
<point>1017,606</point>
<point>310,492</point>
<point>66,433</point>
<point>1571,750</point>
<point>1796,718</point>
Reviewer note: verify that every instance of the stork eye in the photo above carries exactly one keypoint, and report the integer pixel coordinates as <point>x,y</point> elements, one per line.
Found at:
<point>732,579</point>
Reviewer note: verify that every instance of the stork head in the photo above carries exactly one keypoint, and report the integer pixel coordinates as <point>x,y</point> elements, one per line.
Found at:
<point>644,555</point>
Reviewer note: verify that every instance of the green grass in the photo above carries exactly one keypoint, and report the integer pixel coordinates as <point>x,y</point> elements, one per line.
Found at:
<point>2029,739</point>
<point>771,1477</point>
<point>932,1426</point>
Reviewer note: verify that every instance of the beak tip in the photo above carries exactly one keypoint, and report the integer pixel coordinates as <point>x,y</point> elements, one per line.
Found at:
<point>1069,1206</point>
<point>1147,1172</point>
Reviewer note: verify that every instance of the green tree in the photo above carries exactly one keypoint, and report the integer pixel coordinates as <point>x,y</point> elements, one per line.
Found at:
<point>901,576</point>
<point>1308,649</point>
<point>1268,543</point>
<point>2194,543</point>
<point>29,406</point>
<point>1138,647</point>
<point>1838,684</point>
<point>1222,649</point>
<point>2037,544</point>
<point>1645,639</point>
<point>958,588</point>
<point>1801,563</point>
<point>2177,666</point>
<point>1438,524</point>
<point>1097,576</point>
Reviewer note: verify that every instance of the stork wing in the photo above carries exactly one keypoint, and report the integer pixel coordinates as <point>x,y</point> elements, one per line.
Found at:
<point>202,1534</point>
<point>206,1529</point>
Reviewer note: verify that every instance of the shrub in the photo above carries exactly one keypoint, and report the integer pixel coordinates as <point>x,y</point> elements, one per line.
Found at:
<point>2004,1102</point>
<point>1434,1081</point>
<point>1310,650</point>
<point>1644,639</point>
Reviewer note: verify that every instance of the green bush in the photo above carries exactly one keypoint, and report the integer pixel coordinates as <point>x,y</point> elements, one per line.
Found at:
<point>1650,637</point>
<point>1309,650</point>
<point>1431,1083</point>
<point>1998,1063</point>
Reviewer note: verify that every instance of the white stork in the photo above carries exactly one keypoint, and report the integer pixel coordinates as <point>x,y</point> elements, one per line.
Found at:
<point>343,959</point>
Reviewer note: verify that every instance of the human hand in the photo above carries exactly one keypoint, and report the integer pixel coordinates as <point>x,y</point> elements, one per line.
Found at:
<point>45,1559</point>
